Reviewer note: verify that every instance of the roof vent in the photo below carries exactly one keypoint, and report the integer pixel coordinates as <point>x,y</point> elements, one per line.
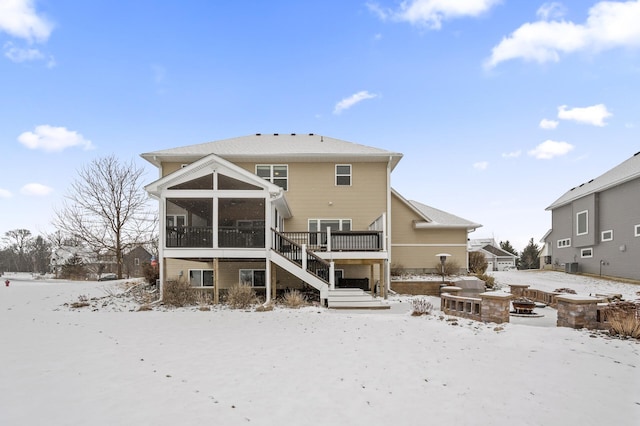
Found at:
<point>590,181</point>
<point>275,134</point>
<point>636,153</point>
<point>258,134</point>
<point>310,134</point>
<point>293,134</point>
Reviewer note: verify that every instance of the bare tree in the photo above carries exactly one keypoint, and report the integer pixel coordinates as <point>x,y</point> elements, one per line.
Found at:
<point>19,241</point>
<point>107,209</point>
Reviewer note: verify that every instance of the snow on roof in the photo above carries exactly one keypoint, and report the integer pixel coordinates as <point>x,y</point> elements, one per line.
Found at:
<point>497,251</point>
<point>303,147</point>
<point>624,172</point>
<point>438,217</point>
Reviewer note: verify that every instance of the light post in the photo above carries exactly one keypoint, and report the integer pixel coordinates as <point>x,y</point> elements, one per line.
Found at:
<point>443,259</point>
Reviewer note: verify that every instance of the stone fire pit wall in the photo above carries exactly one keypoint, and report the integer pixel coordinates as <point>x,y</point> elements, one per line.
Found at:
<point>488,307</point>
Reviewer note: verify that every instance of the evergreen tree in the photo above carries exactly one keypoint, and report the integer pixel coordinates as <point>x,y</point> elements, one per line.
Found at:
<point>530,258</point>
<point>506,246</point>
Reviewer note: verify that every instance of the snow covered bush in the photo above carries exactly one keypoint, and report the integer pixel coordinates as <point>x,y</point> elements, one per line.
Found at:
<point>178,294</point>
<point>420,306</point>
<point>241,296</point>
<point>294,299</point>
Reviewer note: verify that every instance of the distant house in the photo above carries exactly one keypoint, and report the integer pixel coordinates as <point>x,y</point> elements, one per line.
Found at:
<point>292,211</point>
<point>595,227</point>
<point>63,254</point>
<point>497,258</point>
<point>134,260</point>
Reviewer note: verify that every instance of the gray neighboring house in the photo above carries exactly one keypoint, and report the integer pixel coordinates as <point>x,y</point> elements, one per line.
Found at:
<point>595,227</point>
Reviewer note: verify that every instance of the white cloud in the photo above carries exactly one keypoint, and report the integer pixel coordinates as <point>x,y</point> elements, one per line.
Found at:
<point>548,124</point>
<point>549,149</point>
<point>609,25</point>
<point>551,11</point>
<point>49,138</point>
<point>514,154</point>
<point>5,193</point>
<point>36,189</point>
<point>19,54</point>
<point>594,115</point>
<point>481,165</point>
<point>431,13</point>
<point>347,103</point>
<point>18,18</point>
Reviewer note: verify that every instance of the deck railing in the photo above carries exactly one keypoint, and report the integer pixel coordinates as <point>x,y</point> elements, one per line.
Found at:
<point>339,240</point>
<point>189,236</point>
<point>295,253</point>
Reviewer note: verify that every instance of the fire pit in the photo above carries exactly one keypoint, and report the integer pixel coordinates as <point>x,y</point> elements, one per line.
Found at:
<point>523,306</point>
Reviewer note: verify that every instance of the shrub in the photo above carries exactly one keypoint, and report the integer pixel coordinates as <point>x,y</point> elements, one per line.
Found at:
<point>151,273</point>
<point>294,299</point>
<point>477,263</point>
<point>396,269</point>
<point>624,319</point>
<point>450,268</point>
<point>420,306</point>
<point>178,294</point>
<point>564,290</point>
<point>241,296</point>
<point>489,281</point>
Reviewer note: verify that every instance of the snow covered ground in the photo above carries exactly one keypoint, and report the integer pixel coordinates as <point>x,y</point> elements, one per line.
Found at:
<point>63,366</point>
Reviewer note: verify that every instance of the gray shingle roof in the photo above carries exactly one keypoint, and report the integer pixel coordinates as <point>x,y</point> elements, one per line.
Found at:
<point>260,147</point>
<point>624,172</point>
<point>441,218</point>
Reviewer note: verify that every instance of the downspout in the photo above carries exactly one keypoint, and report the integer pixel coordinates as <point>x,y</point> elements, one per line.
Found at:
<point>387,266</point>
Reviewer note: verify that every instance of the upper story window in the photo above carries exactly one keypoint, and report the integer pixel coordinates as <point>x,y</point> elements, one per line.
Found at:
<point>582,221</point>
<point>277,174</point>
<point>606,235</point>
<point>637,231</point>
<point>564,243</point>
<point>343,174</point>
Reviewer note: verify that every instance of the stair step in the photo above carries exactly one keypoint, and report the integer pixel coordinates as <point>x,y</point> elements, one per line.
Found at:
<point>370,304</point>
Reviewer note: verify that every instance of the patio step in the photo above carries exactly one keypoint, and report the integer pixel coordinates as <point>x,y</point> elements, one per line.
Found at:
<point>354,298</point>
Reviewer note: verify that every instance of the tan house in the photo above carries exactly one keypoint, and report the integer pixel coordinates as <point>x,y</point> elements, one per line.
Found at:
<point>285,211</point>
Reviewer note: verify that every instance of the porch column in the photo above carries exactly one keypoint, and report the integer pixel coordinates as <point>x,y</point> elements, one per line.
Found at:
<point>372,282</point>
<point>216,281</point>
<point>384,265</point>
<point>267,278</point>
<point>274,280</point>
<point>332,275</point>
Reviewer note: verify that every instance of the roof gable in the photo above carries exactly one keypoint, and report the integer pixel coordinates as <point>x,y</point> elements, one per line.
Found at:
<point>435,218</point>
<point>624,172</point>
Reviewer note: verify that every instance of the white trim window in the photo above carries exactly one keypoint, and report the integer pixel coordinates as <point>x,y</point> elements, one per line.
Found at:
<point>201,277</point>
<point>606,235</point>
<point>343,174</point>
<point>582,222</point>
<point>253,277</point>
<point>564,243</point>
<point>136,261</point>
<point>277,174</point>
<point>586,252</point>
<point>637,230</point>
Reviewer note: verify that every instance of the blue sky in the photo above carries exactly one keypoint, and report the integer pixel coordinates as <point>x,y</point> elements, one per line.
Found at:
<point>499,107</point>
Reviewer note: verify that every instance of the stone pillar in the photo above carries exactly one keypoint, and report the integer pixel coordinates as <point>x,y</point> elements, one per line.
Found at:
<point>494,307</point>
<point>577,311</point>
<point>517,290</point>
